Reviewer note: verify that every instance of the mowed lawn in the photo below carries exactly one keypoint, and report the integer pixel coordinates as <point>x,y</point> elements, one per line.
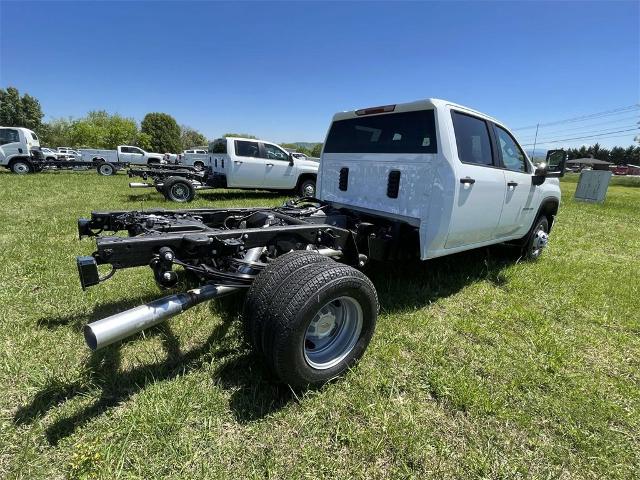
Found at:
<point>481,366</point>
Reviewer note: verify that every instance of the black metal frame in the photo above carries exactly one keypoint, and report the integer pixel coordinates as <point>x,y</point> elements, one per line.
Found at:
<point>160,173</point>
<point>214,243</point>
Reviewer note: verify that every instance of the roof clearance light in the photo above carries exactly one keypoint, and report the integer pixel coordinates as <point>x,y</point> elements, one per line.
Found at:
<point>373,110</point>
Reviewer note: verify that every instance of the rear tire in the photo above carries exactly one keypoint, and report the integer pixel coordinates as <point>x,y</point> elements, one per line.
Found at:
<point>258,302</point>
<point>199,166</point>
<point>106,169</point>
<point>178,189</point>
<point>320,323</point>
<point>21,167</point>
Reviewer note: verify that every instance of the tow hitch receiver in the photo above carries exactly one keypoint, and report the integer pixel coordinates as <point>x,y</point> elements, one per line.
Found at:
<point>88,271</point>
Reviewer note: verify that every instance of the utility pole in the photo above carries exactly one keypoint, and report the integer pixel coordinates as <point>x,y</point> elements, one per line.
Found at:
<point>533,154</point>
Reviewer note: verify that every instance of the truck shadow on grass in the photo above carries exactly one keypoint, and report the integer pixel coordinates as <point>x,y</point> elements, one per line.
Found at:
<point>254,391</point>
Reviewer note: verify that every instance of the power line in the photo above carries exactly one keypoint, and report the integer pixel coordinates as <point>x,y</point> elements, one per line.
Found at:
<point>562,131</point>
<point>606,113</point>
<point>580,138</point>
<point>599,131</point>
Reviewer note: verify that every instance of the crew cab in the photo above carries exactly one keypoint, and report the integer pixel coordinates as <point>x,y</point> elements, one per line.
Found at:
<point>396,183</point>
<point>251,163</point>
<point>19,148</point>
<point>123,154</point>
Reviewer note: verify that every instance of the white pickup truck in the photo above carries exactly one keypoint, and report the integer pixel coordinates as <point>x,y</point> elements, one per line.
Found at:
<point>195,157</point>
<point>251,163</point>
<point>19,147</point>
<point>397,183</point>
<point>123,154</point>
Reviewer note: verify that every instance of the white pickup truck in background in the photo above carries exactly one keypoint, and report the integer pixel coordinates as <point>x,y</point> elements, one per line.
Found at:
<point>195,157</point>
<point>123,154</point>
<point>251,163</point>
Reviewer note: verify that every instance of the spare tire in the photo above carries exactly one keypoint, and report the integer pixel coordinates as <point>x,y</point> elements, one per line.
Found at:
<point>178,189</point>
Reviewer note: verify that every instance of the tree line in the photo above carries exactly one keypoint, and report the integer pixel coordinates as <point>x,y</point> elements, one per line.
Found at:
<point>158,132</point>
<point>617,155</point>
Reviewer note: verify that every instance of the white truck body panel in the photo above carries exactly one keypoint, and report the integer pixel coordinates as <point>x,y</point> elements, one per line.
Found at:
<point>451,216</point>
<point>16,142</point>
<point>124,153</point>
<point>251,163</point>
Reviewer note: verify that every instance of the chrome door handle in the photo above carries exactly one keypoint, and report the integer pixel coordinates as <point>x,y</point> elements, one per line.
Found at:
<point>512,184</point>
<point>237,161</point>
<point>468,180</point>
<point>269,164</point>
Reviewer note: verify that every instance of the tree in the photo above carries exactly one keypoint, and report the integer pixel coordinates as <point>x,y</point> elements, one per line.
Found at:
<point>16,111</point>
<point>102,130</point>
<point>56,133</point>
<point>143,141</point>
<point>316,151</point>
<point>617,155</point>
<point>190,137</point>
<point>163,131</point>
<point>243,135</point>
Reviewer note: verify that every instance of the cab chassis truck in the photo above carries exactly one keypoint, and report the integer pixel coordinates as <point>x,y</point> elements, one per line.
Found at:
<point>398,182</point>
<point>177,183</point>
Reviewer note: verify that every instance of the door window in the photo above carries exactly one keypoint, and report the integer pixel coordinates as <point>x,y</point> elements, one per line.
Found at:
<point>512,156</point>
<point>125,150</point>
<point>274,153</point>
<point>472,139</point>
<point>8,135</point>
<point>246,149</point>
<point>136,150</point>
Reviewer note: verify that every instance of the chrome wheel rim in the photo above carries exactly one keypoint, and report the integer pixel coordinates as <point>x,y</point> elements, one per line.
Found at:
<point>21,168</point>
<point>309,190</point>
<point>105,169</point>
<point>540,240</point>
<point>333,333</point>
<point>180,191</point>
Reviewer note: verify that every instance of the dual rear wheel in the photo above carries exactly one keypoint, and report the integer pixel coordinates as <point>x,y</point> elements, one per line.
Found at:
<point>310,317</point>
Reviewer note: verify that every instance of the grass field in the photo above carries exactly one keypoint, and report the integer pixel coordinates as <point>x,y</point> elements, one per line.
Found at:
<point>481,366</point>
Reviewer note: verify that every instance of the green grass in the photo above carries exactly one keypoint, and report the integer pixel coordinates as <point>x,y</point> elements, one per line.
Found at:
<point>481,366</point>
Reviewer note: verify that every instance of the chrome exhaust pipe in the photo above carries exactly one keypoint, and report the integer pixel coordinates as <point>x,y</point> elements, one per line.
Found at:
<point>122,325</point>
<point>139,185</point>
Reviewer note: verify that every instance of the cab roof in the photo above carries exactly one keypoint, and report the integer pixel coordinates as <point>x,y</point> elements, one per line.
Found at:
<point>436,103</point>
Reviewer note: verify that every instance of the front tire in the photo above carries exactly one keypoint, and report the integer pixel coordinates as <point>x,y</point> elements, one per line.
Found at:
<point>178,189</point>
<point>21,167</point>
<point>307,188</point>
<point>320,323</point>
<point>538,239</point>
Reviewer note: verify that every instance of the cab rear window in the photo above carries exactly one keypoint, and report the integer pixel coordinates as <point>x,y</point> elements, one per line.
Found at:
<point>405,132</point>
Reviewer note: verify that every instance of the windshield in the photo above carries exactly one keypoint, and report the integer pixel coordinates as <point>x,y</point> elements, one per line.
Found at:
<point>405,132</point>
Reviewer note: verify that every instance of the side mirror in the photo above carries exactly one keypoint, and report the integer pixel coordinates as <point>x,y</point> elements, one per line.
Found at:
<point>290,160</point>
<point>556,162</point>
<point>539,175</point>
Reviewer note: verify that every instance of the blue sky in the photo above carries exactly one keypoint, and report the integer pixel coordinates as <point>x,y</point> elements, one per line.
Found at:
<point>280,70</point>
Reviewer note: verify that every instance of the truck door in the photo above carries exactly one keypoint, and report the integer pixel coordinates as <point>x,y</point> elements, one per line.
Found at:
<point>518,210</point>
<point>124,154</point>
<point>247,167</point>
<point>9,143</point>
<point>279,173</point>
<point>480,184</point>
<point>136,155</point>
